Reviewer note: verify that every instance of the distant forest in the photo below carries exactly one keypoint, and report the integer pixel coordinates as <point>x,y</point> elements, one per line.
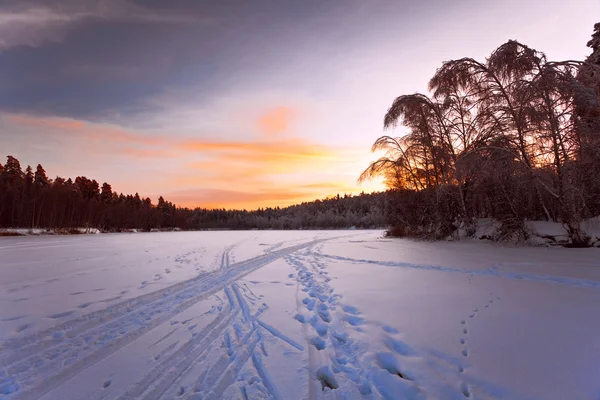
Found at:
<point>29,199</point>
<point>515,137</point>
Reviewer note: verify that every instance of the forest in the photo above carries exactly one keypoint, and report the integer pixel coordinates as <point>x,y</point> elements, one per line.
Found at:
<point>30,199</point>
<point>515,137</point>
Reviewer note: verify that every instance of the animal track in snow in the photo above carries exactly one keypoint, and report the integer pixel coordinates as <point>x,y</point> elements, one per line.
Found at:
<point>463,341</point>
<point>465,390</point>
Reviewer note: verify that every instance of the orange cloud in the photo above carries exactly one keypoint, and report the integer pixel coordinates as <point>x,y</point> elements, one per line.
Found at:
<point>133,152</point>
<point>57,123</point>
<point>260,151</point>
<point>218,198</point>
<point>95,131</point>
<point>256,170</point>
<point>276,121</point>
<point>326,185</point>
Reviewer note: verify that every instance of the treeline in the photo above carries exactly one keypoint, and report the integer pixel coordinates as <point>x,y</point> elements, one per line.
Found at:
<point>513,138</point>
<point>29,199</point>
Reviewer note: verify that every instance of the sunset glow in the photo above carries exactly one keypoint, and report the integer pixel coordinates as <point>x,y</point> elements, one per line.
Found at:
<point>189,105</point>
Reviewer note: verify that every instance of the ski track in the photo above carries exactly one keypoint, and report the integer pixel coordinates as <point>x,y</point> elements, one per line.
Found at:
<point>208,364</point>
<point>38,363</point>
<point>492,271</point>
<point>225,358</point>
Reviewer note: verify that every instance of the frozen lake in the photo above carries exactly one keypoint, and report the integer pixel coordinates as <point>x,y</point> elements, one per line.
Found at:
<point>295,315</point>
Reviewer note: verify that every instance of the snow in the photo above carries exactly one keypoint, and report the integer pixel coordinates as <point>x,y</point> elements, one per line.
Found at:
<point>294,315</point>
<point>542,233</point>
<point>41,231</point>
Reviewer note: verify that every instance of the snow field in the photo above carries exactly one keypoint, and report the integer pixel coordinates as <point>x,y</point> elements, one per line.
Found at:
<point>294,315</point>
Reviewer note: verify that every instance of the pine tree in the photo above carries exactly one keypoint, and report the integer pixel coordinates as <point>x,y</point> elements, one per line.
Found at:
<point>106,195</point>
<point>29,175</point>
<point>40,178</point>
<point>12,169</point>
<point>594,44</point>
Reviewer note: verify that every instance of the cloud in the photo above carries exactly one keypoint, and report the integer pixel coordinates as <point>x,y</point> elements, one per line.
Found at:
<point>325,185</point>
<point>276,121</point>
<point>81,129</point>
<point>35,22</point>
<point>202,171</point>
<point>218,198</point>
<point>291,149</point>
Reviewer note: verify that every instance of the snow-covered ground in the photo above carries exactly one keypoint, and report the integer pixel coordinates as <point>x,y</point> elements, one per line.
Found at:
<point>295,315</point>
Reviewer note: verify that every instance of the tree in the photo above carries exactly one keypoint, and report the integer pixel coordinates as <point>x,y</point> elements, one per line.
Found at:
<point>506,138</point>
<point>106,195</point>
<point>12,169</point>
<point>40,178</point>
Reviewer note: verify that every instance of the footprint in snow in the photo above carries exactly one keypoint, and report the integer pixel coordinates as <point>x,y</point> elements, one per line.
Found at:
<point>350,309</point>
<point>15,318</point>
<point>465,390</point>
<point>389,329</point>
<point>21,299</point>
<point>354,320</point>
<point>327,378</point>
<point>318,342</point>
<point>389,362</point>
<point>60,315</point>
<point>398,346</point>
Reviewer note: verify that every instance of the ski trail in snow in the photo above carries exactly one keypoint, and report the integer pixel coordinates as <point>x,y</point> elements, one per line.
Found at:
<point>492,271</point>
<point>211,370</point>
<point>42,361</point>
<point>225,258</point>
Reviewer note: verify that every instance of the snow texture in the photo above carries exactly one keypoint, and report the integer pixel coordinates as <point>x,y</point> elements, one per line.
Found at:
<point>295,315</point>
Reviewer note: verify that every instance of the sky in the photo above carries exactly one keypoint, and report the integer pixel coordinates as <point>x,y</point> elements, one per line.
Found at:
<point>239,104</point>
